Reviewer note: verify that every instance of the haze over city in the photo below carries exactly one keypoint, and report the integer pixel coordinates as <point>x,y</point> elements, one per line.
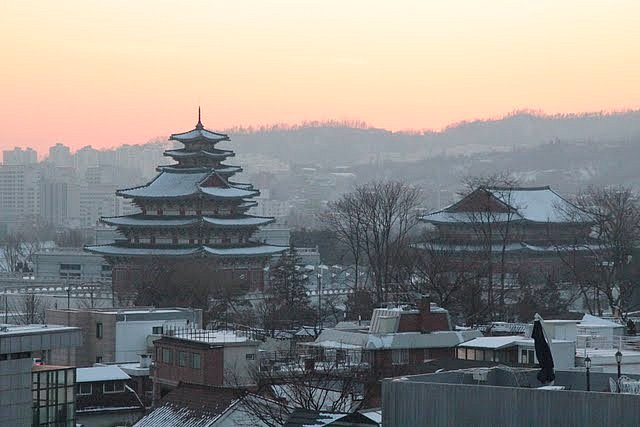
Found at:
<point>319,212</point>
<point>108,73</point>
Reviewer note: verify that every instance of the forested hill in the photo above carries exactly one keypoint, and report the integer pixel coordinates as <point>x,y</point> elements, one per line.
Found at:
<point>347,144</point>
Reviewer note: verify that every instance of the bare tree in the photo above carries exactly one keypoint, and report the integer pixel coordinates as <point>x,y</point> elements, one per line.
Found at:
<point>16,252</point>
<point>492,222</point>
<point>299,380</point>
<point>373,220</point>
<point>29,309</point>
<point>603,266</point>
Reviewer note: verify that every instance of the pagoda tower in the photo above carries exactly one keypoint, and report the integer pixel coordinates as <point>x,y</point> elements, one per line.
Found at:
<point>192,211</point>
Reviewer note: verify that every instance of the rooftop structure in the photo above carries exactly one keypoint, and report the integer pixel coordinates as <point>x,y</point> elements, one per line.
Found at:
<point>191,210</point>
<point>503,396</point>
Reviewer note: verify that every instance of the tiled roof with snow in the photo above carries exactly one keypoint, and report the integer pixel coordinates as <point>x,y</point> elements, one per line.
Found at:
<point>533,204</point>
<point>258,250</point>
<point>220,169</point>
<point>199,134</point>
<point>182,153</point>
<point>182,221</point>
<point>185,183</point>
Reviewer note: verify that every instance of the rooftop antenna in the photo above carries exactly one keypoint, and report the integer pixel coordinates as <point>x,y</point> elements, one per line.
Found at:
<point>199,125</point>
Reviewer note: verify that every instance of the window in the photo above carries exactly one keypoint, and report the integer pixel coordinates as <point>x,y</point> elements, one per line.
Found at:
<point>99,330</point>
<point>182,358</point>
<point>70,271</point>
<point>195,360</point>
<point>400,357</point>
<point>159,211</point>
<point>250,356</point>
<point>113,387</point>
<point>84,389</point>
<point>167,356</point>
<point>98,359</point>
<point>183,211</point>
<point>156,330</point>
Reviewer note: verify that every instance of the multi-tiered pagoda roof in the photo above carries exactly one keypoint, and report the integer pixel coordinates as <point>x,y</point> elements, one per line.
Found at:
<point>191,208</point>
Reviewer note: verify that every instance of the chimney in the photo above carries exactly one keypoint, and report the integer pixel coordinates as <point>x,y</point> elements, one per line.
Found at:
<point>425,314</point>
<point>145,361</point>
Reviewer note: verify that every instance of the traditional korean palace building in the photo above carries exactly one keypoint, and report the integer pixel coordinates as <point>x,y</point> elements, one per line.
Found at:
<point>192,211</point>
<point>523,223</point>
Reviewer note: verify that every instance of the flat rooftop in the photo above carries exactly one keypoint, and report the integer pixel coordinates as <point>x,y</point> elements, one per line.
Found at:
<point>9,330</point>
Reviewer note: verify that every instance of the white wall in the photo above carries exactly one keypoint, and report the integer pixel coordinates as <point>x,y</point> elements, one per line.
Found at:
<point>131,337</point>
<point>236,366</point>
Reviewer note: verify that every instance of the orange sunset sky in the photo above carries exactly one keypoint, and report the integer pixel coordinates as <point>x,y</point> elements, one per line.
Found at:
<point>111,72</point>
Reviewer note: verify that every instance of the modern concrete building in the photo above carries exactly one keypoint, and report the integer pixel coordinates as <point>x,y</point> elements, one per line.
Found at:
<point>18,156</point>
<point>506,397</point>
<point>20,381</point>
<point>119,335</point>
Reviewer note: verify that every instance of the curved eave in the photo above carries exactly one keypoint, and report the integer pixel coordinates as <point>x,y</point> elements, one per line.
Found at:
<point>255,251</point>
<point>228,193</point>
<point>178,154</point>
<point>245,252</point>
<point>195,135</point>
<point>224,170</point>
<point>137,221</point>
<point>248,221</point>
<point>115,250</point>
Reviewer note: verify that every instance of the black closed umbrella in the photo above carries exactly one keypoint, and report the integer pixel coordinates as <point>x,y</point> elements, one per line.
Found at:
<point>543,353</point>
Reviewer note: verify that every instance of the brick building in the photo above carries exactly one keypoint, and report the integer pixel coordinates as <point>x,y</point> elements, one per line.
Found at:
<point>196,356</point>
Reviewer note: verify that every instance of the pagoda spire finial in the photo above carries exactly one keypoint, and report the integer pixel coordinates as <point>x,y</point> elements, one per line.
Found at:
<point>199,125</point>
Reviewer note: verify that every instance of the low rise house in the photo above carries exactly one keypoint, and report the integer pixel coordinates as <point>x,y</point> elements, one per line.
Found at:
<point>515,350</point>
<point>398,339</point>
<point>104,398</point>
<point>206,357</point>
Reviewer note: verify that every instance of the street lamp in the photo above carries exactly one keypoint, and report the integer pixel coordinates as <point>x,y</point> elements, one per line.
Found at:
<point>587,364</point>
<point>618,361</point>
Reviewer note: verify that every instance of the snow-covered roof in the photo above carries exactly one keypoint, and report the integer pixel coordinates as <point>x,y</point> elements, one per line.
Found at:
<point>182,221</point>
<point>493,342</point>
<point>246,250</point>
<point>533,204</point>
<point>243,251</point>
<point>100,373</point>
<point>199,134</point>
<point>509,247</point>
<point>182,153</point>
<point>220,169</point>
<point>169,185</point>
<point>351,340</point>
<point>118,250</point>
<point>185,183</point>
<point>590,321</point>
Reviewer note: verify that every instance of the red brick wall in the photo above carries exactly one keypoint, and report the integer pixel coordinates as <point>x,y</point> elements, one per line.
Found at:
<point>211,370</point>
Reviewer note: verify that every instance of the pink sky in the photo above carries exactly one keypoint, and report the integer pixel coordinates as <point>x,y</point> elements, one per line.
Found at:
<point>110,72</point>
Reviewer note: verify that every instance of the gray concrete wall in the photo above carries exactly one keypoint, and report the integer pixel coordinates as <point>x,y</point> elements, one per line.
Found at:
<point>15,392</point>
<point>407,403</point>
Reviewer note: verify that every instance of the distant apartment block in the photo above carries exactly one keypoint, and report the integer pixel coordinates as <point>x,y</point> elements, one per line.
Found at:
<point>18,156</point>
<point>119,335</point>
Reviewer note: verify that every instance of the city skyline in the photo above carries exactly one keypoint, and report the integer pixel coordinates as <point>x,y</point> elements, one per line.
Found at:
<point>91,73</point>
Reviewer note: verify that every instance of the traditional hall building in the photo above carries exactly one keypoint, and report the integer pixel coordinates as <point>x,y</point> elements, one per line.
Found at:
<point>191,212</point>
<point>532,224</point>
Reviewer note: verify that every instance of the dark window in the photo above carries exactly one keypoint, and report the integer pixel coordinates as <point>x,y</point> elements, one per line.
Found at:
<point>195,360</point>
<point>183,211</point>
<point>160,212</point>
<point>182,358</point>
<point>77,267</point>
<point>84,389</point>
<point>250,356</point>
<point>98,359</point>
<point>113,387</point>
<point>167,356</point>
<point>156,330</point>
<point>99,330</point>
